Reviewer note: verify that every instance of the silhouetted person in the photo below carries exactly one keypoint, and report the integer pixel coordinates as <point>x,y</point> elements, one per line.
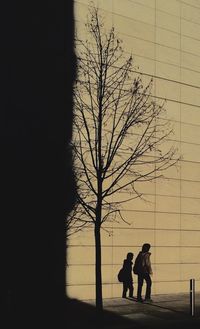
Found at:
<point>143,269</point>
<point>128,278</point>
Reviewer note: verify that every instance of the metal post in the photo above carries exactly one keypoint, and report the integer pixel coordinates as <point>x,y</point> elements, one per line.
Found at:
<point>192,297</point>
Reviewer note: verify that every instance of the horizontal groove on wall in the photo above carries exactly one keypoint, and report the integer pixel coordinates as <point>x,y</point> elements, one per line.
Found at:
<point>114,283</point>
<point>133,246</point>
<point>119,264</point>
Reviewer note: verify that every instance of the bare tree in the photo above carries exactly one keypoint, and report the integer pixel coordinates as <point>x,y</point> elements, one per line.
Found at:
<point>118,131</point>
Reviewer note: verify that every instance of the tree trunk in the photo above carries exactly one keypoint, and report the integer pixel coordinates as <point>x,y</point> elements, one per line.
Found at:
<point>99,301</point>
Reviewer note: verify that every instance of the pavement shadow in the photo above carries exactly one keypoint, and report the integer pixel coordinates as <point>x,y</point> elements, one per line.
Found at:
<point>83,315</point>
<point>175,317</point>
<point>156,304</point>
<point>167,308</point>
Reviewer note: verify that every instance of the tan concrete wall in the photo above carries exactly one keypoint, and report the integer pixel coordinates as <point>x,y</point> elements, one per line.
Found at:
<point>164,37</point>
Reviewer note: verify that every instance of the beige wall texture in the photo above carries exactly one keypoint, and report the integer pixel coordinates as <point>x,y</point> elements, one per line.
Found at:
<point>164,38</point>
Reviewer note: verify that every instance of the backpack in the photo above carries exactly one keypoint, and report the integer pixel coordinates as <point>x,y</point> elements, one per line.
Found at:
<point>138,266</point>
<point>120,275</point>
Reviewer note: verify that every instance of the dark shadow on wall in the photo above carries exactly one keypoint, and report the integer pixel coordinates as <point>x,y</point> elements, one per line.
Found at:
<point>37,189</point>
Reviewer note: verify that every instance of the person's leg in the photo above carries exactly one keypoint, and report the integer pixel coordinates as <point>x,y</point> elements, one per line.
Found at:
<point>140,284</point>
<point>125,287</point>
<point>148,287</point>
<point>130,289</point>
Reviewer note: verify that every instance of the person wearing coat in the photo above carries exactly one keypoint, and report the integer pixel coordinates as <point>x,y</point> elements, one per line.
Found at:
<point>144,272</point>
<point>127,275</point>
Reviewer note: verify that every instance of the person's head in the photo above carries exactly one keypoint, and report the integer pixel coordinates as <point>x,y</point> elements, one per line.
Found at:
<point>146,247</point>
<point>129,256</point>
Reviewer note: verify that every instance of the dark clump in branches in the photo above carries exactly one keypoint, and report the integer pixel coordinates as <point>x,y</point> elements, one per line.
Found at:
<point>119,130</point>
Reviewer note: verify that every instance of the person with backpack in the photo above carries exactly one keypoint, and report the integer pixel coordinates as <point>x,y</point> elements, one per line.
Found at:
<point>142,268</point>
<point>127,275</point>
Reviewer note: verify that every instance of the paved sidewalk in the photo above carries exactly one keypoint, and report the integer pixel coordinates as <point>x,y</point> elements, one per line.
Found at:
<point>164,311</point>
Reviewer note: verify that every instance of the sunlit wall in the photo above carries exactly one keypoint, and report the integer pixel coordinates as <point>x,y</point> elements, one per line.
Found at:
<point>164,38</point>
